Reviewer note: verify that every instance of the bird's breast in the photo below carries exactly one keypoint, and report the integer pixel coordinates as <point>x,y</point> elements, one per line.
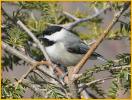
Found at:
<point>59,54</point>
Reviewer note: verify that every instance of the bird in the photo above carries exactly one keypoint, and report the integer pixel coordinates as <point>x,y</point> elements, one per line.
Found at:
<point>64,47</point>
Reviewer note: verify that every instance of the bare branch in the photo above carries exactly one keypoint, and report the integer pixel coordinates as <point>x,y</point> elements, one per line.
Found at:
<point>71,16</point>
<point>44,72</point>
<point>35,39</point>
<point>100,39</point>
<point>33,87</point>
<point>27,59</point>
<point>30,70</point>
<point>92,82</point>
<point>96,9</point>
<point>72,82</point>
<point>18,53</point>
<point>38,74</point>
<point>69,26</point>
<point>73,87</point>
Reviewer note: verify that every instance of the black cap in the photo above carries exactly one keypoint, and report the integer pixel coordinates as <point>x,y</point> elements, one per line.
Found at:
<point>51,29</point>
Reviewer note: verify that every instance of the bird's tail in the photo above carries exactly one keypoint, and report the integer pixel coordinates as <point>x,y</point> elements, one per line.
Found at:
<point>99,57</point>
<point>102,58</point>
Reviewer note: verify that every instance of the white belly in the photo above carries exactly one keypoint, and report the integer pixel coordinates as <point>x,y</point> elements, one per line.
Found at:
<point>60,55</point>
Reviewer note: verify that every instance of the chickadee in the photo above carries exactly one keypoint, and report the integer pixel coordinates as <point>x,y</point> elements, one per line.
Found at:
<point>64,47</point>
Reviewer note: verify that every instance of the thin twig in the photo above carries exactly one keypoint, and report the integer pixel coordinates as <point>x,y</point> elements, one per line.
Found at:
<point>35,39</point>
<point>21,55</point>
<point>92,82</point>
<point>100,39</point>
<point>33,87</point>
<point>27,73</point>
<point>69,26</point>
<point>44,72</point>
<point>39,74</point>
<point>70,15</point>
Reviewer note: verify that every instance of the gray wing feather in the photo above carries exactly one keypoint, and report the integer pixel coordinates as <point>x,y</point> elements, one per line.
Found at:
<point>78,47</point>
<point>81,48</point>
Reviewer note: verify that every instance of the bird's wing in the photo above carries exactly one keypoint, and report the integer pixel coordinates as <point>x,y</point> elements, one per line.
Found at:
<point>78,48</point>
<point>82,48</point>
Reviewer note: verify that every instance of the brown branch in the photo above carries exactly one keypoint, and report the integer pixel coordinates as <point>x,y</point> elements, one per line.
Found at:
<point>73,87</point>
<point>32,62</point>
<point>100,39</point>
<point>29,70</point>
<point>25,58</point>
<point>72,81</point>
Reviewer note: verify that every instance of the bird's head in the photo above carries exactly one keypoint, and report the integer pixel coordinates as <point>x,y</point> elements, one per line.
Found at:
<point>52,34</point>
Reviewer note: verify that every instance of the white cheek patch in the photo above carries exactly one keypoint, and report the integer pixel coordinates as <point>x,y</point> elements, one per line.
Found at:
<point>49,37</point>
<point>56,36</point>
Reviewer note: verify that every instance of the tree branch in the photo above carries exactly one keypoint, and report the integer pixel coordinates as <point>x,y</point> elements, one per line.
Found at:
<point>24,57</point>
<point>18,53</point>
<point>44,72</point>
<point>92,82</point>
<point>27,59</point>
<point>100,39</point>
<point>33,87</point>
<point>35,39</point>
<point>69,26</point>
<point>72,84</point>
<point>71,16</point>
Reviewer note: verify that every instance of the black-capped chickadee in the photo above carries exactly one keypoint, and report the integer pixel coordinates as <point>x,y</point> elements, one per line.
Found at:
<point>64,47</point>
